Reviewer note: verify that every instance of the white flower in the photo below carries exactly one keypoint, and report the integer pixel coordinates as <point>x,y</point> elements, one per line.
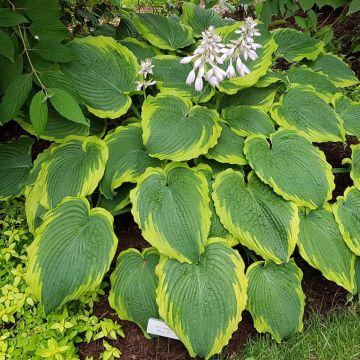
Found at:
<point>144,84</point>
<point>146,68</point>
<point>206,57</point>
<point>37,37</point>
<point>242,48</point>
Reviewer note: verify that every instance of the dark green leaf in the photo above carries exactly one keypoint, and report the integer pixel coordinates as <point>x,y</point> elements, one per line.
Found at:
<point>49,29</point>
<point>306,4</point>
<point>14,97</point>
<point>301,22</point>
<point>9,71</point>
<point>66,106</point>
<point>52,51</point>
<point>11,18</point>
<point>39,112</point>
<point>7,46</point>
<point>39,9</point>
<point>312,18</point>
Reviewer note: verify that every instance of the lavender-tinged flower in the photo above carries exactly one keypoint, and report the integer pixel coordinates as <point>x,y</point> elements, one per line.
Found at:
<point>146,68</point>
<point>207,55</point>
<point>242,48</point>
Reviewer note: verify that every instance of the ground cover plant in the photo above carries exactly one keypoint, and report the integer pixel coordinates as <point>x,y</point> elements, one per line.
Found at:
<point>188,125</point>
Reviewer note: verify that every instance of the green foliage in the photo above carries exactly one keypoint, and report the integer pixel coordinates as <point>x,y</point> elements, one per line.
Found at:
<point>229,162</point>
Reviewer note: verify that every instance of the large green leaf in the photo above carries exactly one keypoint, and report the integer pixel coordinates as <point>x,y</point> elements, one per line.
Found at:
<point>174,129</point>
<point>7,46</point>
<point>133,286</point>
<point>335,68</point>
<point>258,68</point>
<point>38,112</point>
<point>140,49</point>
<point>9,17</point>
<point>74,168</point>
<point>49,29</point>
<point>15,166</point>
<point>355,165</point>
<point>163,32</point>
<point>349,111</point>
<point>322,246</point>
<point>171,76</point>
<point>104,73</point>
<point>53,51</point>
<point>292,166</point>
<point>128,158</point>
<point>307,77</point>
<point>275,298</point>
<point>229,148</point>
<point>203,301</point>
<point>171,207</point>
<point>9,71</point>
<point>246,120</point>
<point>302,109</point>
<point>71,252</point>
<point>260,219</point>
<point>262,98</point>
<point>200,19</point>
<point>294,45</point>
<point>347,214</point>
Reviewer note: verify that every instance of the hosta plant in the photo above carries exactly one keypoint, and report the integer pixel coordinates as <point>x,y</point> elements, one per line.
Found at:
<point>215,154</point>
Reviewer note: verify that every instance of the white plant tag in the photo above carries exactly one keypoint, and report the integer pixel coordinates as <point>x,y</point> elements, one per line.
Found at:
<point>158,327</point>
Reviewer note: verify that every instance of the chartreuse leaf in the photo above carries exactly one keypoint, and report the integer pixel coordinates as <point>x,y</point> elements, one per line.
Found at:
<point>140,49</point>
<point>133,287</point>
<point>349,112</point>
<point>292,166</point>
<point>258,68</point>
<point>163,32</point>
<point>15,97</point>
<point>270,78</point>
<point>262,98</point>
<point>347,215</point>
<point>275,298</point>
<point>307,77</point>
<point>355,165</point>
<point>200,19</point>
<point>74,169</point>
<point>58,128</point>
<point>15,166</point>
<point>335,68</point>
<point>66,106</point>
<point>174,129</point>
<point>171,207</point>
<point>68,261</point>
<point>302,109</point>
<point>229,148</point>
<point>203,301</point>
<point>322,246</point>
<point>39,112</point>
<point>128,158</point>
<point>246,120</point>
<point>104,73</point>
<point>260,219</point>
<point>294,45</point>
<point>120,200</point>
<point>7,46</point>
<point>170,76</point>
<point>9,17</point>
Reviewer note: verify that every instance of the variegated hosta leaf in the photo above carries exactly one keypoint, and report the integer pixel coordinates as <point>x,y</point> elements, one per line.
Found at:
<point>140,49</point>
<point>133,286</point>
<point>347,215</point>
<point>120,200</point>
<point>104,73</point>
<point>349,111</point>
<point>217,167</point>
<point>75,168</point>
<point>262,98</point>
<point>163,32</point>
<point>71,252</point>
<point>258,68</point>
<point>292,166</point>
<point>128,158</point>
<point>203,301</point>
<point>357,275</point>
<point>335,68</point>
<point>260,219</point>
<point>15,166</point>
<point>58,128</point>
<point>246,120</point>
<point>322,246</point>
<point>275,298</point>
<point>199,19</point>
<point>319,82</point>
<point>302,109</point>
<point>355,165</point>
<point>271,77</point>
<point>171,207</point>
<point>294,45</point>
<point>171,76</point>
<point>174,129</point>
<point>229,148</point>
